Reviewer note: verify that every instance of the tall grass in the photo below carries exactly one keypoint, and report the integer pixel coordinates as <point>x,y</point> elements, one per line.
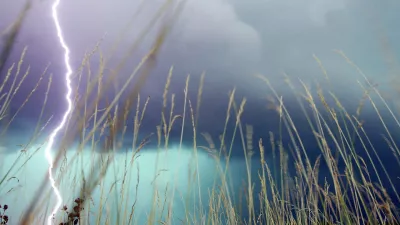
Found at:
<point>290,191</point>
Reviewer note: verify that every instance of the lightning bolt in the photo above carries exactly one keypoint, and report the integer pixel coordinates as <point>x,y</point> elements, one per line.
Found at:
<point>66,113</point>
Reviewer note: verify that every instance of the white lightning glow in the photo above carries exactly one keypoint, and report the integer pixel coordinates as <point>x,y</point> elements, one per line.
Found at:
<point>66,114</point>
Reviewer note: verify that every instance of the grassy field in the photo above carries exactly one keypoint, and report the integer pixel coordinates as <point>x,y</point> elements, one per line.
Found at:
<point>290,187</point>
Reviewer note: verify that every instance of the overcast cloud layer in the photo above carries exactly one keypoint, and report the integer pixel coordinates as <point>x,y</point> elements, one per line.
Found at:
<point>232,38</point>
<point>229,39</point>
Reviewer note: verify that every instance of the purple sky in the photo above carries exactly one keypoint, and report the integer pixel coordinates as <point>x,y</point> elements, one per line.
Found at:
<point>230,39</point>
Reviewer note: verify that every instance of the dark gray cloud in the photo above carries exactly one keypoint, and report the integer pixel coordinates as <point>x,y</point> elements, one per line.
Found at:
<point>230,39</point>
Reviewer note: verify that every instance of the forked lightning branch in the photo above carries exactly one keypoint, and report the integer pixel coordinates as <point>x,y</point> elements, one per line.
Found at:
<point>51,140</point>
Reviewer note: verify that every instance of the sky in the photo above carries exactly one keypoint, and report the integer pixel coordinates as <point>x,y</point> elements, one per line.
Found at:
<point>231,40</point>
